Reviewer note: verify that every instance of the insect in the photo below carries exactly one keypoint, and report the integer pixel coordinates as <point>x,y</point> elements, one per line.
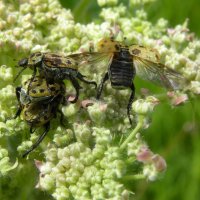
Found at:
<point>55,67</point>
<point>124,62</point>
<point>36,115</point>
<point>39,113</point>
<point>39,90</point>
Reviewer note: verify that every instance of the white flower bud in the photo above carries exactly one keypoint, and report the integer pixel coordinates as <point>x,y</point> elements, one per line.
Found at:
<point>143,107</point>
<point>97,112</point>
<point>61,193</point>
<point>150,172</point>
<point>46,182</point>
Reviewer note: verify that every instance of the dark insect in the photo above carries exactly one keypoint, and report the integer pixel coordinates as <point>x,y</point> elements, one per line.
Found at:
<point>55,68</point>
<point>39,113</point>
<point>124,62</point>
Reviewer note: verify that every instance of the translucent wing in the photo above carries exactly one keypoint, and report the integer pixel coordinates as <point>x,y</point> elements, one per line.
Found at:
<point>148,67</point>
<point>98,61</point>
<point>145,53</point>
<point>94,58</point>
<point>76,61</point>
<point>95,62</point>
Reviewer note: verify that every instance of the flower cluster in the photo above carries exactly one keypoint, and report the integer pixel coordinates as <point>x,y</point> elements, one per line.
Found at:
<point>98,153</point>
<point>5,164</point>
<point>84,172</point>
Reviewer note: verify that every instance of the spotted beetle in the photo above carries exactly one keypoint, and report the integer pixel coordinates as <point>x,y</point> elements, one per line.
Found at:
<point>39,90</point>
<point>37,109</point>
<point>55,67</point>
<point>37,115</point>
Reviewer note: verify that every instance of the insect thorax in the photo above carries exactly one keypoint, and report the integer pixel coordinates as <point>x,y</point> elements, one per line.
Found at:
<point>35,59</point>
<point>122,70</point>
<point>57,73</point>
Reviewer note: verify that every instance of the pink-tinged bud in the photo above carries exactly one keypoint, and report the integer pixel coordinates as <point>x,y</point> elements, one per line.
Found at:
<point>159,163</point>
<point>171,31</point>
<point>144,155</point>
<point>159,42</point>
<point>144,91</point>
<point>38,164</point>
<point>171,94</point>
<point>103,107</point>
<point>180,99</point>
<point>97,112</point>
<point>86,103</point>
<point>177,99</point>
<point>71,98</point>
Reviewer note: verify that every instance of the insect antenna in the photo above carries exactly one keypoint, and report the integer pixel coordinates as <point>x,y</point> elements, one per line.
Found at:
<point>16,77</point>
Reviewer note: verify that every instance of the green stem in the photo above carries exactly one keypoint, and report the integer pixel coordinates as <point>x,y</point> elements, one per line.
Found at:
<point>133,133</point>
<point>133,177</point>
<point>131,160</point>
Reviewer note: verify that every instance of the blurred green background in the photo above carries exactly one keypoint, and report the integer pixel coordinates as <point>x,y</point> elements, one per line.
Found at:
<point>174,132</point>
<point>175,11</point>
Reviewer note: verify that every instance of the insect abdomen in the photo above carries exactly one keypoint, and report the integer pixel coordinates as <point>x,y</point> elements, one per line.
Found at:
<point>121,74</point>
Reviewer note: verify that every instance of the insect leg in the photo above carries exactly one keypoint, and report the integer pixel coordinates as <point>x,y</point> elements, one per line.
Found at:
<point>16,114</point>
<point>81,77</point>
<point>130,102</point>
<point>19,109</point>
<point>47,84</point>
<point>76,86</point>
<point>100,88</point>
<point>61,118</point>
<point>45,76</point>
<point>32,130</point>
<point>47,127</point>
<point>17,91</point>
<point>32,78</point>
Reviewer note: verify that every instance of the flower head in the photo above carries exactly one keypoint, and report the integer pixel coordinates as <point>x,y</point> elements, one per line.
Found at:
<point>96,156</point>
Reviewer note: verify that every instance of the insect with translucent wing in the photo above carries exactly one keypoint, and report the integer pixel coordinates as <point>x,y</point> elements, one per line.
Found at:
<point>39,107</point>
<point>55,67</point>
<point>124,62</point>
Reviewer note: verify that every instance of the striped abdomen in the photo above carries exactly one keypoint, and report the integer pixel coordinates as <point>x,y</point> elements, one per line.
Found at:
<point>121,71</point>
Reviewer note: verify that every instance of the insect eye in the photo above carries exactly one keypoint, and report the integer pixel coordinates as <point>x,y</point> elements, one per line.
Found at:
<point>23,62</point>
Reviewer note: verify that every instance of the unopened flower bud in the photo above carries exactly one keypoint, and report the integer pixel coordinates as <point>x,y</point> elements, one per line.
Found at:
<point>144,155</point>
<point>159,163</point>
<point>143,107</point>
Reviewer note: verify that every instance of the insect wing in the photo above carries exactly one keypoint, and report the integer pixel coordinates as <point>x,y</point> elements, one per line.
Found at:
<point>145,53</point>
<point>91,63</point>
<point>148,67</point>
<point>40,90</point>
<point>37,114</point>
<point>59,61</point>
